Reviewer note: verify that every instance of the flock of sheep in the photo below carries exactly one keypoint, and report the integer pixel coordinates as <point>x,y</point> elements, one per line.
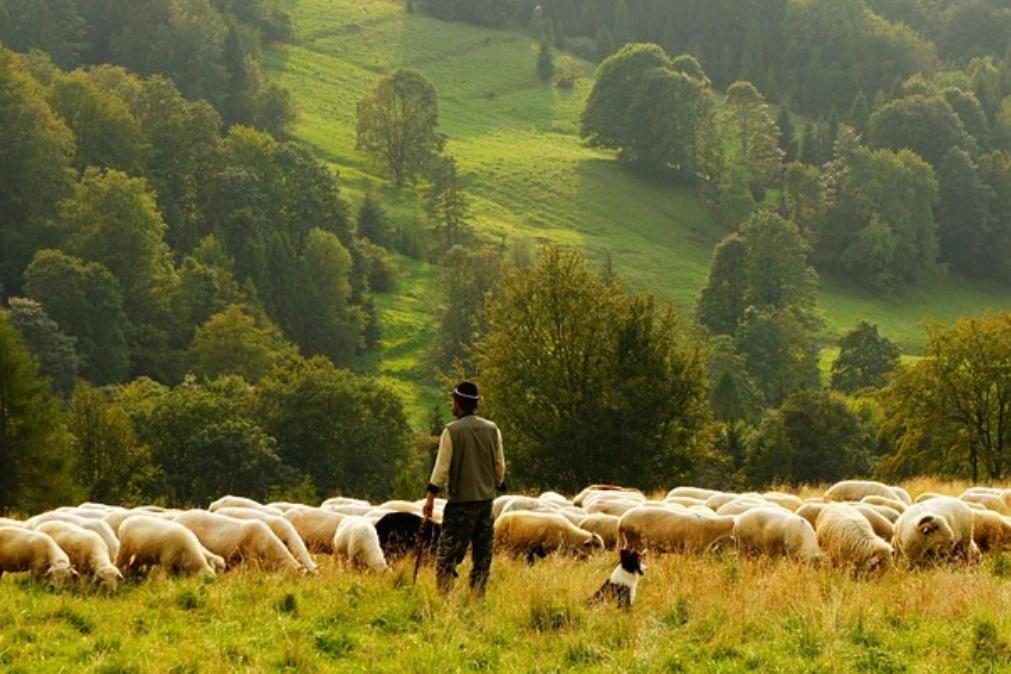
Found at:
<point>859,525</point>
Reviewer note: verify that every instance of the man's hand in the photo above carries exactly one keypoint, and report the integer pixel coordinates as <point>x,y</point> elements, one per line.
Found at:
<point>429,506</point>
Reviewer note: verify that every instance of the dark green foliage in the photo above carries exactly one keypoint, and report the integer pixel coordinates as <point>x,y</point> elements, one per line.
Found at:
<point>446,202</point>
<point>865,359</point>
<point>995,172</point>
<point>752,135</point>
<point>964,230</point>
<point>35,457</point>
<point>470,280</point>
<point>733,394</point>
<point>57,358</point>
<point>373,223</point>
<point>545,61</point>
<point>231,342</point>
<point>724,299</point>
<point>52,26</point>
<point>34,168</point>
<point>346,432</point>
<point>204,443</point>
<point>860,113</point>
<point>85,301</point>
<point>928,126</point>
<point>779,351</point>
<point>396,124</point>
<point>787,133</point>
<point>813,438</point>
<point>576,372</point>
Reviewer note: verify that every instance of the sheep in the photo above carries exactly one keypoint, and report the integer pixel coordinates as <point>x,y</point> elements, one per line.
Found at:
<point>146,541</point>
<point>7,522</point>
<point>716,501</point>
<point>285,506</point>
<point>99,527</point>
<point>604,525</point>
<point>670,530</point>
<point>22,549</point>
<point>357,542</point>
<point>854,490</point>
<point>775,530</point>
<point>401,507</point>
<point>882,525</point>
<point>242,502</point>
<point>281,528</point>
<point>888,513</point>
<point>237,541</point>
<point>87,552</point>
<point>788,501</point>
<point>598,489</point>
<point>540,534</point>
<point>686,501</point>
<point>927,495</point>
<point>991,531</point>
<point>316,527</point>
<point>611,506</point>
<point>992,501</point>
<point>848,540</point>
<point>554,497</point>
<point>744,504</point>
<point>959,516</point>
<point>691,492</point>
<point>810,511</point>
<point>336,501</point>
<point>897,506</point>
<point>573,514</point>
<point>922,535</point>
<point>518,502</point>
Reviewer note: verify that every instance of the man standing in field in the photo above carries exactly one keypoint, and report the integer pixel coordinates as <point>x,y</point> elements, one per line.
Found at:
<point>470,467</point>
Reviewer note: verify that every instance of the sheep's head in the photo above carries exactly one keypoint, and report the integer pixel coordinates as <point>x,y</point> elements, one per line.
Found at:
<point>58,574</point>
<point>108,578</point>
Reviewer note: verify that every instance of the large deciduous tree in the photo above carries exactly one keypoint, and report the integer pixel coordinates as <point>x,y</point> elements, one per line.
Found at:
<point>590,384</point>
<point>950,413</point>
<point>397,123</point>
<point>57,357</point>
<point>865,359</point>
<point>752,134</point>
<point>925,125</point>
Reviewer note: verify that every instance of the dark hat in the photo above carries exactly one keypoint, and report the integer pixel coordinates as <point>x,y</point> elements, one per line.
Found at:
<point>466,390</point>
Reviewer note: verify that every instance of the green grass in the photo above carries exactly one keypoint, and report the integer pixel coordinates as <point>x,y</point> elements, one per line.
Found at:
<point>527,172</point>
<point>711,614</point>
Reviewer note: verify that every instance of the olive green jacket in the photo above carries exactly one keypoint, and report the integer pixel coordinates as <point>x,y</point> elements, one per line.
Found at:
<point>471,460</point>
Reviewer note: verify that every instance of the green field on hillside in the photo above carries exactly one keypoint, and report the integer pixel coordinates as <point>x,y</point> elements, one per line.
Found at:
<point>528,174</point>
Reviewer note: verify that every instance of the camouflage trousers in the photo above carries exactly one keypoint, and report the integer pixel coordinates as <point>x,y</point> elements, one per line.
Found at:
<point>465,524</point>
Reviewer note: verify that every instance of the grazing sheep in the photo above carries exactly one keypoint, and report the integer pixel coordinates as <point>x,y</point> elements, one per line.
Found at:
<point>100,527</point>
<point>338,501</point>
<point>604,525</point>
<point>7,522</point>
<point>902,494</point>
<point>399,532</point>
<point>357,541</point>
<point>238,541</point>
<point>991,531</point>
<point>671,530</point>
<point>540,534</point>
<point>554,497</point>
<point>788,501</point>
<point>744,504</point>
<point>849,541</point>
<point>776,531</point>
<point>242,502</point>
<point>87,551</point>
<point>991,501</point>
<point>716,501</point>
<point>854,490</point>
<point>692,492</point>
<point>146,541</point>
<point>518,502</point>
<point>927,495</point>
<point>889,514</point>
<point>283,529</point>
<point>882,525</point>
<point>810,510</point>
<point>611,506</point>
<point>922,535</point>
<point>316,527</point>
<point>959,516</point>
<point>686,501</point>
<point>897,506</point>
<point>22,549</point>
<point>606,489</point>
<point>572,513</point>
<point>400,507</point>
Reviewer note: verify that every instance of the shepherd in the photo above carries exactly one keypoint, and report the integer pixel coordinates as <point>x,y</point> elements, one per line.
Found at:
<point>470,467</point>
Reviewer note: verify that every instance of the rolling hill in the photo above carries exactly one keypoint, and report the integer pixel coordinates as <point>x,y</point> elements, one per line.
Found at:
<point>528,175</point>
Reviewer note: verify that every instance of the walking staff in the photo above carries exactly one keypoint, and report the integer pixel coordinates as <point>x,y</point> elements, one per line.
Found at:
<point>470,467</point>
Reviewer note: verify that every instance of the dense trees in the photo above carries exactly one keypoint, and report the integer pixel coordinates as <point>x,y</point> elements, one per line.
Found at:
<point>865,359</point>
<point>577,372</point>
<point>397,123</point>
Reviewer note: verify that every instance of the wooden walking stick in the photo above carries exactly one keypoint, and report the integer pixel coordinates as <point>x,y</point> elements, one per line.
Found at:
<point>421,548</point>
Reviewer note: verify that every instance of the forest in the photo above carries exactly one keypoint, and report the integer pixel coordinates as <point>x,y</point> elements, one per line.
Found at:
<point>191,295</point>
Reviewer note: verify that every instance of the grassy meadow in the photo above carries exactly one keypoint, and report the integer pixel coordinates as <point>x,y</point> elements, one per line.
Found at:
<point>529,177</point>
<point>693,614</point>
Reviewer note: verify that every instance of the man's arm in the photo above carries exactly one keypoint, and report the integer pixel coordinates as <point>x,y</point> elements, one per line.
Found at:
<point>440,472</point>
<point>500,464</point>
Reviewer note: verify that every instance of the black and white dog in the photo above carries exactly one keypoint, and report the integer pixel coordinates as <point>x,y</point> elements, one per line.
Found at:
<point>620,587</point>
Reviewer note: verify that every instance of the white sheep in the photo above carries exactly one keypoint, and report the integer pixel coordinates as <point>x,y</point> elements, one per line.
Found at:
<point>537,534</point>
<point>357,542</point>
<point>283,529</point>
<point>897,506</point>
<point>743,504</point>
<point>87,551</point>
<point>776,531</point>
<point>939,528</point>
<point>22,549</point>
<point>691,492</point>
<point>237,541</point>
<point>602,524</point>
<point>97,526</point>
<point>344,500</point>
<point>882,526</point>
<point>242,502</point>
<point>854,490</point>
<point>316,527</point>
<point>673,530</point>
<point>788,501</point>
<point>991,531</point>
<point>848,540</point>
<point>146,541</point>
<point>605,490</point>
